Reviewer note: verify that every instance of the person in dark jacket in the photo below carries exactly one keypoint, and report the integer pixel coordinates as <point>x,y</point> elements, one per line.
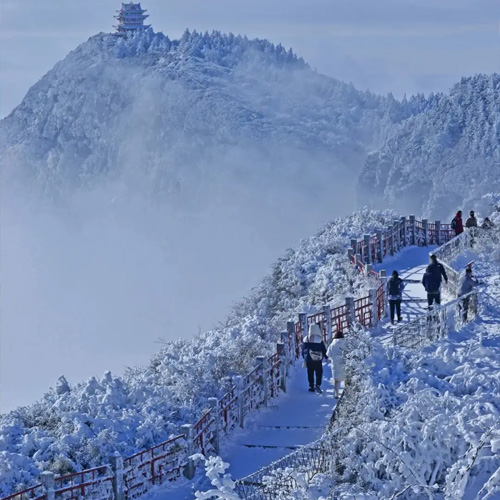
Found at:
<point>313,352</point>
<point>466,285</point>
<point>471,221</point>
<point>395,288</point>
<point>432,281</point>
<point>457,223</point>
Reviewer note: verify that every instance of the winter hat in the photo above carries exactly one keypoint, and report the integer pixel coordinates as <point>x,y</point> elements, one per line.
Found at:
<point>395,273</point>
<point>434,257</point>
<point>315,333</point>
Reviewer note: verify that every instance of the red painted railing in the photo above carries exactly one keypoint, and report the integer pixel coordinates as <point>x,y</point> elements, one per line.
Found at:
<point>341,319</point>
<point>299,334</point>
<point>201,439</point>
<point>155,465</point>
<point>81,484</point>
<point>363,311</point>
<point>381,301</point>
<point>34,493</point>
<point>228,409</point>
<point>252,390</point>
<point>274,364</point>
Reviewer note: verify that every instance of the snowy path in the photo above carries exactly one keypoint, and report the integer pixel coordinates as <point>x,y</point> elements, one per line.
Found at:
<point>295,418</point>
<point>299,417</point>
<point>410,263</point>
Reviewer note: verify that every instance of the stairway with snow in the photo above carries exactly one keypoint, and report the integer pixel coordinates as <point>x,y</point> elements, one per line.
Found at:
<point>298,417</point>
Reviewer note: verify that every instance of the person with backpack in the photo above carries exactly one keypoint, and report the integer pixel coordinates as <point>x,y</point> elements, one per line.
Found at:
<point>313,352</point>
<point>336,354</point>
<point>395,287</point>
<point>466,285</point>
<point>457,223</point>
<point>472,220</point>
<point>432,281</point>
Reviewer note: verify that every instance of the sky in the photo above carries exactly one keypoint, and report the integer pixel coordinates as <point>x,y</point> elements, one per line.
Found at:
<point>385,46</point>
<point>398,46</point>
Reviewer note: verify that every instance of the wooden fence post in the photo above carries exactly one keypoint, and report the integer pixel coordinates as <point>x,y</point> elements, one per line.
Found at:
<point>290,328</point>
<point>303,322</point>
<point>373,300</point>
<point>47,480</point>
<point>327,311</point>
<point>403,229</point>
<point>366,249</point>
<point>391,244</point>
<point>238,382</point>
<point>187,430</point>
<point>380,238</point>
<point>116,462</point>
<point>438,232</point>
<point>397,237</point>
<point>354,246</point>
<point>261,360</point>
<point>286,351</point>
<point>383,277</point>
<point>280,349</point>
<point>349,303</point>
<point>214,405</point>
<point>425,223</point>
<point>413,235</point>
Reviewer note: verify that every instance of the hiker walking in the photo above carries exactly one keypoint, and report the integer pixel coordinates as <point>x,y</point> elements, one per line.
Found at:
<point>313,352</point>
<point>472,220</point>
<point>457,224</point>
<point>432,281</point>
<point>395,287</point>
<point>336,354</point>
<point>466,285</point>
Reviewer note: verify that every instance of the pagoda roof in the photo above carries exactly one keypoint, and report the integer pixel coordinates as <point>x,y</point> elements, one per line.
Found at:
<point>132,6</point>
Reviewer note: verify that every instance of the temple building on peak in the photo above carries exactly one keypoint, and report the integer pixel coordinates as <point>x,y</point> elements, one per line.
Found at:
<point>130,18</point>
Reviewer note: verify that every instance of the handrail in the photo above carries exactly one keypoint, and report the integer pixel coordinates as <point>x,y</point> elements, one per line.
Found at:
<point>435,323</point>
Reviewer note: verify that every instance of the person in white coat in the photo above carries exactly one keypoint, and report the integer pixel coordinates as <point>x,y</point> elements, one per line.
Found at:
<point>336,354</point>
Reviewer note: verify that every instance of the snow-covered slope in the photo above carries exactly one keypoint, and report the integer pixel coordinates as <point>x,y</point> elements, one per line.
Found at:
<point>77,426</point>
<point>172,116</point>
<point>442,159</point>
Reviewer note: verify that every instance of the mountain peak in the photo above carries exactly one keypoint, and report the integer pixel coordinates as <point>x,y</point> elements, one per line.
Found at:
<point>223,49</point>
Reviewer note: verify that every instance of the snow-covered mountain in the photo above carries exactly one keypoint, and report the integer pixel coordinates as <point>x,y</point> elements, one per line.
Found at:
<point>442,159</point>
<point>174,115</point>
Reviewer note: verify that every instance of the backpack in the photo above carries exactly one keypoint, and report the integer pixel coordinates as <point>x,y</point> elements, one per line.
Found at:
<point>454,223</point>
<point>394,286</point>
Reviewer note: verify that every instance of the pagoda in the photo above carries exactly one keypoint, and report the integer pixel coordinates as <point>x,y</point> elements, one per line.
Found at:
<point>131,18</point>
